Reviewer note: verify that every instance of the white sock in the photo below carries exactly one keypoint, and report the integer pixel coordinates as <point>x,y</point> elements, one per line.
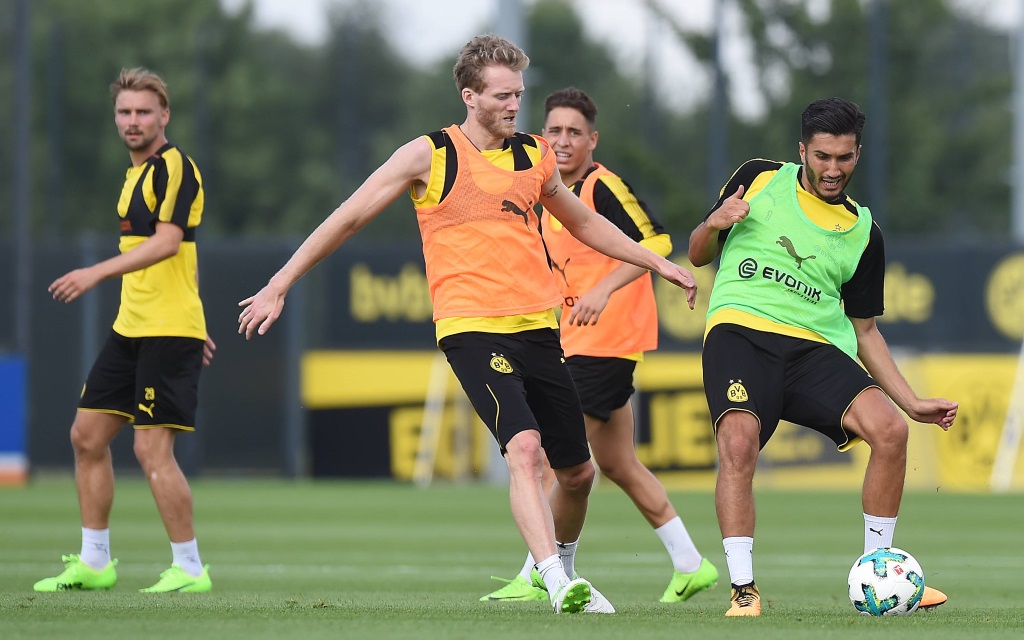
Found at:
<point>567,553</point>
<point>553,575</point>
<point>739,553</point>
<point>95,548</point>
<point>675,537</point>
<point>878,532</point>
<point>186,556</point>
<point>528,567</point>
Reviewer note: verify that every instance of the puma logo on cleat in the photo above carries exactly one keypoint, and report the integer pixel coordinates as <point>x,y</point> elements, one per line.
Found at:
<point>149,409</point>
<point>511,207</point>
<point>791,250</point>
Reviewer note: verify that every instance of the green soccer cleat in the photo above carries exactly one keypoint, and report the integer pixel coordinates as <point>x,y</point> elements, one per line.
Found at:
<point>78,576</point>
<point>175,579</point>
<point>517,589</point>
<point>686,585</point>
<point>536,580</point>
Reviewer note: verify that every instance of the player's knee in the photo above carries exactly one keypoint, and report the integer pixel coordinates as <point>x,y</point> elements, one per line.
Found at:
<point>617,468</point>
<point>889,436</point>
<point>737,449</point>
<point>577,479</point>
<point>86,442</point>
<point>525,447</point>
<point>152,452</point>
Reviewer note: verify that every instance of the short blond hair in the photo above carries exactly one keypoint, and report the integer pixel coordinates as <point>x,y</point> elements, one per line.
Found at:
<point>140,79</point>
<point>482,52</point>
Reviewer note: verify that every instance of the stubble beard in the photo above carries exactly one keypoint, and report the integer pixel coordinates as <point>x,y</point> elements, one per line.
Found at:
<point>143,142</point>
<point>814,180</point>
<point>495,125</point>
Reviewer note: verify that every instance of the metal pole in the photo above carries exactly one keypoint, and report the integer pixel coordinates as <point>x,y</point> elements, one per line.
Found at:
<point>718,144</point>
<point>22,180</point>
<point>1017,221</point>
<point>295,436</point>
<point>55,116</point>
<point>878,109</point>
<point>510,24</point>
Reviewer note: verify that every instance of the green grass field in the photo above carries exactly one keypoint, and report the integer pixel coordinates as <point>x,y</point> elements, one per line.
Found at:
<point>363,560</point>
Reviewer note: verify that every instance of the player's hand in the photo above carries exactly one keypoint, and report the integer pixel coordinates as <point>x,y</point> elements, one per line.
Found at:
<point>260,311</point>
<point>588,307</point>
<point>681,278</point>
<point>73,284</point>
<point>935,410</point>
<point>208,348</point>
<point>734,210</point>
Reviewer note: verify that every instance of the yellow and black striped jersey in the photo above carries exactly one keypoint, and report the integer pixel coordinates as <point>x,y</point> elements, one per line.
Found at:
<point>615,200</point>
<point>162,299</point>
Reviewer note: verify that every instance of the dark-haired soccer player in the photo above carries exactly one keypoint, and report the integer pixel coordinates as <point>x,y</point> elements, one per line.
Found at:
<point>792,310</point>
<point>474,186</point>
<point>148,371</point>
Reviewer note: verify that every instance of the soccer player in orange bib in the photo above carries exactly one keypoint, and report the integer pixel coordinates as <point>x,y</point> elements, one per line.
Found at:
<point>609,319</point>
<point>474,187</point>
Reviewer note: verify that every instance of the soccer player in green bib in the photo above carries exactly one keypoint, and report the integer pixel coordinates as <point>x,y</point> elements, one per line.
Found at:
<point>793,308</point>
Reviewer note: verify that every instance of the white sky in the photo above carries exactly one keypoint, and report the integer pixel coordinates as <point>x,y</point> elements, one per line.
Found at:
<point>624,24</point>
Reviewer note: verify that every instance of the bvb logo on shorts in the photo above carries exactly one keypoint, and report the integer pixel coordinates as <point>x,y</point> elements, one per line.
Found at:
<point>737,392</point>
<point>500,364</point>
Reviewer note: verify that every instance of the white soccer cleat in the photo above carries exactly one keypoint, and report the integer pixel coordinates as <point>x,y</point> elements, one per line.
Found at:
<point>598,603</point>
<point>573,597</point>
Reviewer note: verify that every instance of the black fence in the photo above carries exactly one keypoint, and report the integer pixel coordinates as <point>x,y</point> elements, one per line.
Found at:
<point>373,296</point>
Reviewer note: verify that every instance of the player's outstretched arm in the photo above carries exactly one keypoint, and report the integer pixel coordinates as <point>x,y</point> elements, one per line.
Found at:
<point>874,353</point>
<point>409,163</point>
<point>599,233</point>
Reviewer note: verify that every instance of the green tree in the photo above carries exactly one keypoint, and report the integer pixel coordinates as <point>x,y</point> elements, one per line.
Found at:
<point>948,87</point>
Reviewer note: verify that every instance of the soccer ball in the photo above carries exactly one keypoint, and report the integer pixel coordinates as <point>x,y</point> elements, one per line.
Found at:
<point>886,582</point>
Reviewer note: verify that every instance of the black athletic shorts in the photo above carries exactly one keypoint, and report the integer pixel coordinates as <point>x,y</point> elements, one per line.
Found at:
<point>520,381</point>
<point>154,382</point>
<point>780,377</point>
<point>604,384</point>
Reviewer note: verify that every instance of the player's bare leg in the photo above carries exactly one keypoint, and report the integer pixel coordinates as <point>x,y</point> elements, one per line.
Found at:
<point>154,449</point>
<point>91,435</point>
<point>536,519</point>
<point>93,568</point>
<point>612,443</point>
<point>738,448</point>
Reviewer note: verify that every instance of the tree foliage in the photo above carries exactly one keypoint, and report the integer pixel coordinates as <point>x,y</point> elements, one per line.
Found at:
<point>284,131</point>
<point>943,88</point>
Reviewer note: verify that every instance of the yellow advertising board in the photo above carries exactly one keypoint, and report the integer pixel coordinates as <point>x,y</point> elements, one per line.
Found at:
<point>674,434</point>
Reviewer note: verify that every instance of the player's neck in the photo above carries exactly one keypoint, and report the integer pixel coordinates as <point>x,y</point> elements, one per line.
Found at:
<point>481,138</point>
<point>139,156</point>
<point>570,179</point>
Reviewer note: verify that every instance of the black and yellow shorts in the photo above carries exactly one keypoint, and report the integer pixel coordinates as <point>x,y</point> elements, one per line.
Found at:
<point>777,377</point>
<point>519,381</point>
<point>604,384</point>
<point>153,382</point>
